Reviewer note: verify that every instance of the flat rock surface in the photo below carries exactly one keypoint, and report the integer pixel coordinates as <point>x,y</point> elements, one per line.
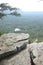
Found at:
<point>9,41</point>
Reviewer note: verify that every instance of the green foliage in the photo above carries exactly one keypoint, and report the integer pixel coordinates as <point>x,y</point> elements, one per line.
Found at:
<point>40,40</point>
<point>16,14</point>
<point>32,40</point>
<point>5,6</point>
<point>2,14</point>
<point>1,32</point>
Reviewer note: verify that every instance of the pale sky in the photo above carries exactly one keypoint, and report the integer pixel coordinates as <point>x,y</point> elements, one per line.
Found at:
<point>26,5</point>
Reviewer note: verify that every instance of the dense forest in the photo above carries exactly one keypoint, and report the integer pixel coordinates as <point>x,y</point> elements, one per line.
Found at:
<point>27,22</point>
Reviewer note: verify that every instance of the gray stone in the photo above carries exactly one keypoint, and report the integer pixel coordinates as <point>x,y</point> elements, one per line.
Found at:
<point>32,54</point>
<point>9,42</point>
<point>37,50</point>
<point>23,58</point>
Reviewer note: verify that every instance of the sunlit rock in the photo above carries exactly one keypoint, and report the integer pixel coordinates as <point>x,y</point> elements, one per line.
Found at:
<point>37,50</point>
<point>9,42</point>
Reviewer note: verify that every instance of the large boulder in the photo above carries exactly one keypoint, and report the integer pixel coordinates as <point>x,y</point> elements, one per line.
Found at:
<point>9,42</point>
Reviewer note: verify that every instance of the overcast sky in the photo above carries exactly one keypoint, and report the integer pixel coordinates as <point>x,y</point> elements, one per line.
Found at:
<point>26,5</point>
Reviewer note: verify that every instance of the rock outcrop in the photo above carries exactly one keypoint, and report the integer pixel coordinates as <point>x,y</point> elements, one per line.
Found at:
<point>37,53</point>
<point>10,42</point>
<point>15,50</point>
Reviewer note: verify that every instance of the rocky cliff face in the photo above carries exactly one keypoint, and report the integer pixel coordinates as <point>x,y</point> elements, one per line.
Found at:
<point>15,46</point>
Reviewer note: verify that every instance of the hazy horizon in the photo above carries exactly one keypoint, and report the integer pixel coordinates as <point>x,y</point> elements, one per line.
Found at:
<point>25,5</point>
